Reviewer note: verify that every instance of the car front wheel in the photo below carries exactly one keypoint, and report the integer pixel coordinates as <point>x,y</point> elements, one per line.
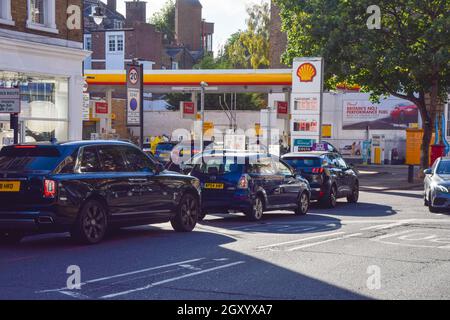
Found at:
<point>353,198</point>
<point>92,223</point>
<point>187,214</point>
<point>331,200</point>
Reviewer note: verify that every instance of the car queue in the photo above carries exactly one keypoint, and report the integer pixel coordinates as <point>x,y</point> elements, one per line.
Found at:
<point>89,187</point>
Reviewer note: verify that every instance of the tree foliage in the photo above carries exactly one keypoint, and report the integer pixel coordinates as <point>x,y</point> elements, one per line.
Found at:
<point>407,57</point>
<point>250,48</point>
<point>164,21</point>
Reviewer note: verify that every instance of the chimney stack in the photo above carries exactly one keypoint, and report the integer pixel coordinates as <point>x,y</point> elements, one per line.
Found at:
<point>136,12</point>
<point>112,5</point>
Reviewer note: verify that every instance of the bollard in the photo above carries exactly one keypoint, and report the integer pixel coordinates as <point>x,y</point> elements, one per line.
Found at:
<point>410,174</point>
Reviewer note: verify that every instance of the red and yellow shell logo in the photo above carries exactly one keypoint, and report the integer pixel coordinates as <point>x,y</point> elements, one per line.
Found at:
<point>306,72</point>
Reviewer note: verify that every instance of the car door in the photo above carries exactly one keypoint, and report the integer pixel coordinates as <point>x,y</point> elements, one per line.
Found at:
<point>154,199</point>
<point>349,177</point>
<point>270,182</point>
<point>336,173</point>
<point>123,193</point>
<point>289,185</point>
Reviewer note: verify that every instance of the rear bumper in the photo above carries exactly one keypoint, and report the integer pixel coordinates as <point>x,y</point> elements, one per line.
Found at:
<point>29,221</point>
<point>238,201</point>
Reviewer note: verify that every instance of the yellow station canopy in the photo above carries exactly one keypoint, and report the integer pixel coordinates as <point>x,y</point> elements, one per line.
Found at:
<point>219,81</point>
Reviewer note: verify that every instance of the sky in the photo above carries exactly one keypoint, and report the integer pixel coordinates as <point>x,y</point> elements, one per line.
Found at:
<point>228,15</point>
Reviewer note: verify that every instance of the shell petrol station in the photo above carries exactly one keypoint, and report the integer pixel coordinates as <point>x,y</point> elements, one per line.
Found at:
<point>300,89</point>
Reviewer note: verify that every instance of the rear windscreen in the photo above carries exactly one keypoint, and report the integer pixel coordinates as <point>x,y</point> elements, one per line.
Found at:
<point>303,162</point>
<point>221,165</point>
<point>29,159</point>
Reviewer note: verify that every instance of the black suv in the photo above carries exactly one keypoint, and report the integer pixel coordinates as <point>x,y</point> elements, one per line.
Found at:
<point>249,182</point>
<point>86,187</point>
<point>328,174</point>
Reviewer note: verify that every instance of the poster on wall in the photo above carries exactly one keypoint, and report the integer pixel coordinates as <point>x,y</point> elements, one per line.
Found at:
<point>389,114</point>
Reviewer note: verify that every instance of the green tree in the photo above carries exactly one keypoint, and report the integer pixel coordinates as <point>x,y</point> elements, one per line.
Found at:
<point>164,21</point>
<point>408,57</point>
<point>250,48</point>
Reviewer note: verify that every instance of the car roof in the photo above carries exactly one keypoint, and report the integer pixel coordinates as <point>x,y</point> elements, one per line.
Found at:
<point>81,143</point>
<point>305,154</point>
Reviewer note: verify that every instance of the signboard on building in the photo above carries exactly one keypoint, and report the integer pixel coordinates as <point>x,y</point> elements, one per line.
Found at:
<point>188,110</point>
<point>9,100</point>
<point>299,145</point>
<point>135,99</point>
<point>85,108</point>
<point>101,108</point>
<point>282,108</point>
<point>306,100</point>
<point>390,114</point>
<point>327,131</point>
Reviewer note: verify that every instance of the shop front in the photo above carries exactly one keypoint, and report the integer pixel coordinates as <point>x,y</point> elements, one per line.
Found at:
<point>49,84</point>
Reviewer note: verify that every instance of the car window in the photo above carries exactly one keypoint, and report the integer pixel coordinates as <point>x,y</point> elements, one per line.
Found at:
<point>67,166</point>
<point>111,159</point>
<point>303,162</point>
<point>341,163</point>
<point>263,166</point>
<point>29,158</point>
<point>282,169</point>
<point>89,160</point>
<point>220,165</point>
<point>137,161</point>
<point>443,167</point>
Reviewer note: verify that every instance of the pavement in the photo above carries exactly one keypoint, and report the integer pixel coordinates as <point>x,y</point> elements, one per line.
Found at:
<point>388,177</point>
<point>388,246</point>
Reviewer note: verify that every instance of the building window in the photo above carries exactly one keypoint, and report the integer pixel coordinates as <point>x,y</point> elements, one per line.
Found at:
<point>88,42</point>
<point>41,15</point>
<point>118,24</point>
<point>5,12</point>
<point>115,43</point>
<point>174,65</point>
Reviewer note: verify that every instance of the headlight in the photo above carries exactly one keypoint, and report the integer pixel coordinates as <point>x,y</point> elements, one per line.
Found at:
<point>195,183</point>
<point>442,188</point>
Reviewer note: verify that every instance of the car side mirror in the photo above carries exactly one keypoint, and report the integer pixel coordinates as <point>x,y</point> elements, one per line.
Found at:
<point>428,172</point>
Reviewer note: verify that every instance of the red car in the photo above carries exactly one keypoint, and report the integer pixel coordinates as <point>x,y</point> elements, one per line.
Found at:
<point>405,113</point>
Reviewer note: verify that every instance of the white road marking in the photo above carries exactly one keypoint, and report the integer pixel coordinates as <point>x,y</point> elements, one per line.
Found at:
<point>125,274</point>
<point>114,295</point>
<point>324,241</point>
<point>300,240</point>
<point>387,226</point>
<point>75,295</point>
<point>389,235</point>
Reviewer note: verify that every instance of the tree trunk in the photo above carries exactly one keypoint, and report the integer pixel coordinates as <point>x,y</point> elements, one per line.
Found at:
<point>428,117</point>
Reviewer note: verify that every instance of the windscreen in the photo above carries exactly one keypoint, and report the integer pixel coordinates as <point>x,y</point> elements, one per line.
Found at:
<point>303,162</point>
<point>29,158</point>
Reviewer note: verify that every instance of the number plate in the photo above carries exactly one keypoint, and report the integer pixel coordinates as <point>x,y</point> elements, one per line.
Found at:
<point>9,186</point>
<point>214,186</point>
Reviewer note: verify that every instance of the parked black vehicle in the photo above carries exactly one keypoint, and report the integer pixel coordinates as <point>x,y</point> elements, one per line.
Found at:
<point>329,176</point>
<point>437,186</point>
<point>86,187</point>
<point>250,183</point>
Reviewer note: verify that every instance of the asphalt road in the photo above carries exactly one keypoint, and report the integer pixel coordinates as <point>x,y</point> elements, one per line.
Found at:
<point>386,247</point>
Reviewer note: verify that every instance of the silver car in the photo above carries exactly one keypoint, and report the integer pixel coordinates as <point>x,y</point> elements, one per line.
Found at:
<point>437,185</point>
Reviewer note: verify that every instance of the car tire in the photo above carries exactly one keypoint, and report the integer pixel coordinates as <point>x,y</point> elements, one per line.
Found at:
<point>92,223</point>
<point>425,201</point>
<point>11,237</point>
<point>187,214</point>
<point>256,212</point>
<point>330,201</point>
<point>303,204</point>
<point>202,215</point>
<point>354,197</point>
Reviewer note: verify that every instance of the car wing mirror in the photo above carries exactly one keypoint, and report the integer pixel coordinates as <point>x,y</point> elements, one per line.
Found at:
<point>428,172</point>
<point>159,168</point>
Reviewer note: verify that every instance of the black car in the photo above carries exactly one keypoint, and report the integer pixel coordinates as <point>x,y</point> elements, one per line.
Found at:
<point>86,187</point>
<point>249,182</point>
<point>437,185</point>
<point>329,176</point>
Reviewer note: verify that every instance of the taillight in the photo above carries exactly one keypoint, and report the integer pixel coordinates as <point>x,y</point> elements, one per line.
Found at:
<point>25,147</point>
<point>243,182</point>
<point>49,189</point>
<point>317,170</point>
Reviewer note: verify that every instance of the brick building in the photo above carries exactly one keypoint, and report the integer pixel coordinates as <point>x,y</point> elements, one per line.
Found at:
<point>120,38</point>
<point>41,58</point>
<point>277,38</point>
